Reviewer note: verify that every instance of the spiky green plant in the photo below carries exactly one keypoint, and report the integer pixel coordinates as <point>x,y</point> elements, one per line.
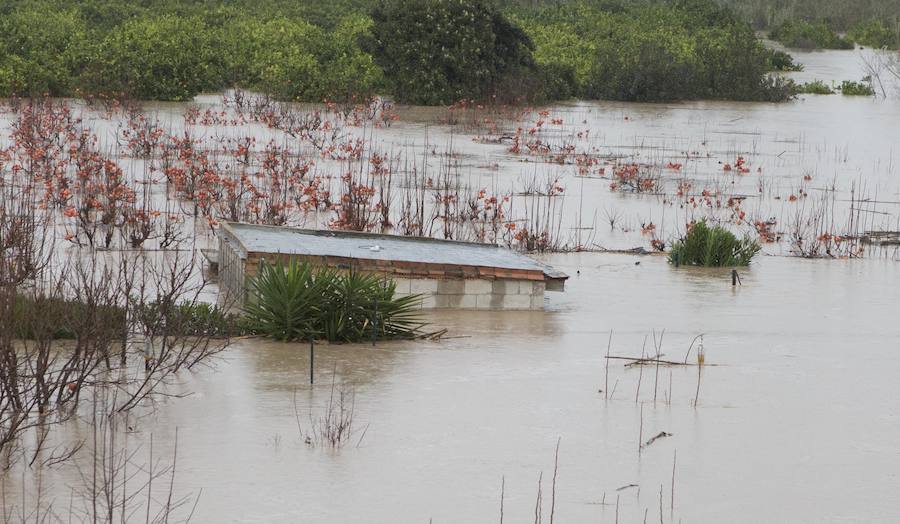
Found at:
<point>299,302</point>
<point>712,247</point>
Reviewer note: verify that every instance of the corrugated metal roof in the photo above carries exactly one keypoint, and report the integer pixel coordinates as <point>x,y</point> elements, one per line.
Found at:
<point>291,241</point>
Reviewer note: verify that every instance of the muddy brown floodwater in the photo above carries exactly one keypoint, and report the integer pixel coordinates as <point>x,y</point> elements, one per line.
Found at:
<point>797,418</point>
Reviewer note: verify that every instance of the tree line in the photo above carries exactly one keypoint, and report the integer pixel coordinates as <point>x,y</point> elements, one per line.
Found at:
<point>417,51</point>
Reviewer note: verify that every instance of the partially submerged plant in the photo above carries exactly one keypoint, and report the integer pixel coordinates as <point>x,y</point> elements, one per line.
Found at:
<point>851,88</point>
<point>300,302</point>
<point>816,87</point>
<point>712,247</point>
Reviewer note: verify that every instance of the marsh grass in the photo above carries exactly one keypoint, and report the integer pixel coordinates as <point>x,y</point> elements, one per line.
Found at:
<point>712,247</point>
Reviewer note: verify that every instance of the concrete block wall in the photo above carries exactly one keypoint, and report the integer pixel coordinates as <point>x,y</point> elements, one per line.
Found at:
<point>474,293</point>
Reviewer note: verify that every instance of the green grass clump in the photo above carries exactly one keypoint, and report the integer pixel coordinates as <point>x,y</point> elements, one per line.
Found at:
<point>300,302</point>
<point>816,87</point>
<point>712,247</point>
<point>856,88</point>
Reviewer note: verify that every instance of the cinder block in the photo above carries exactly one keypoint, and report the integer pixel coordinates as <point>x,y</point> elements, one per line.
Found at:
<point>451,287</point>
<point>478,287</point>
<point>442,301</point>
<point>538,288</point>
<point>537,302</point>
<point>402,285</point>
<point>468,301</point>
<point>505,287</point>
<point>489,301</point>
<point>517,302</point>
<point>429,302</point>
<point>454,301</point>
<point>423,286</point>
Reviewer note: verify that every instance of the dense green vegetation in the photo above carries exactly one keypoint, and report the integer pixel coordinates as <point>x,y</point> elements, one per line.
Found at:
<point>61,319</point>
<point>816,87</point>
<point>847,87</point>
<point>652,51</point>
<point>872,23</point>
<point>712,247</point>
<point>440,51</point>
<point>841,15</point>
<point>856,88</point>
<point>875,33</point>
<point>299,302</point>
<point>781,61</point>
<point>56,318</point>
<point>808,35</point>
<point>418,51</point>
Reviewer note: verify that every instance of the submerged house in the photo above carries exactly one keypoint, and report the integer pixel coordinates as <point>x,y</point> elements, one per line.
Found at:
<point>448,274</point>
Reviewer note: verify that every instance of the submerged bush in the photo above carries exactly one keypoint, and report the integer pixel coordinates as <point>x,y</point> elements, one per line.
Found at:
<point>808,35</point>
<point>874,33</point>
<point>781,61</point>
<point>39,51</point>
<point>856,88</point>
<point>654,51</point>
<point>437,52</point>
<point>192,319</point>
<point>816,87</point>
<point>712,247</point>
<point>162,58</point>
<point>300,302</point>
<point>429,52</point>
<point>59,319</point>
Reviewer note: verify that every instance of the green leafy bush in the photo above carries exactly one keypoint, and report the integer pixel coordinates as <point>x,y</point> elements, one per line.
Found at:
<point>437,52</point>
<point>420,51</point>
<point>712,247</point>
<point>298,302</point>
<point>653,51</point>
<point>856,88</point>
<point>875,33</point>
<point>39,51</point>
<point>202,319</point>
<point>162,58</point>
<point>841,15</point>
<point>816,87</point>
<point>59,319</point>
<point>808,35</point>
<point>295,60</point>
<point>781,61</point>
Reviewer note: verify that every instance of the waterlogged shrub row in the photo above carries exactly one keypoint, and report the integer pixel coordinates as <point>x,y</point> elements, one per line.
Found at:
<point>418,51</point>
<point>655,51</point>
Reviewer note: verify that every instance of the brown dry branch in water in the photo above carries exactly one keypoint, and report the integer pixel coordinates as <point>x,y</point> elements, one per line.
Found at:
<point>334,426</point>
<point>661,434</point>
<point>97,304</point>
<point>115,486</point>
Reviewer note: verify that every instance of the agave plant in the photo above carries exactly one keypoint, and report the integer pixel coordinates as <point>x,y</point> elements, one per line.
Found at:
<point>299,302</point>
<point>712,247</point>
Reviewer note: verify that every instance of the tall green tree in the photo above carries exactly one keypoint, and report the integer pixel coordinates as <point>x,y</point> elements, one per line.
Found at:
<point>440,51</point>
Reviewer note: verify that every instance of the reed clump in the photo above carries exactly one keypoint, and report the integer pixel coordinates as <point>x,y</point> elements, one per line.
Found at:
<point>712,247</point>
<point>297,301</point>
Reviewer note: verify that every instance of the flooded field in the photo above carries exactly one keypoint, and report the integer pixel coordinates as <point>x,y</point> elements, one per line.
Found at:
<point>791,418</point>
